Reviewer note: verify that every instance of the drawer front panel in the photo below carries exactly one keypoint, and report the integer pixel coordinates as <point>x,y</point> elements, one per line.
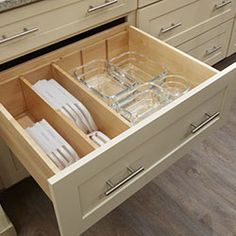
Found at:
<point>176,27</point>
<point>144,149</point>
<point>93,193</point>
<point>210,47</point>
<point>232,46</point>
<point>38,31</point>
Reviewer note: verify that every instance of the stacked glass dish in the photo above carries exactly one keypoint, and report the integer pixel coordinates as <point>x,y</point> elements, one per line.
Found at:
<point>132,84</point>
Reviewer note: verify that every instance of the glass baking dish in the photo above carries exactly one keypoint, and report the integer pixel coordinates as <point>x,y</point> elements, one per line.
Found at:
<point>141,102</point>
<point>104,79</point>
<point>138,66</point>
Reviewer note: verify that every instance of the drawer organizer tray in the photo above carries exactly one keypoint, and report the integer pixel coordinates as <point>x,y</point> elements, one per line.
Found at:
<point>106,176</point>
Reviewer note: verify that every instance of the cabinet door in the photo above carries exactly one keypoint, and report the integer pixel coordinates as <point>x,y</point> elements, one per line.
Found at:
<point>11,171</point>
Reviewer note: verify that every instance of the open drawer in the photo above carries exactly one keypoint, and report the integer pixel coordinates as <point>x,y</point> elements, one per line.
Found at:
<point>106,176</point>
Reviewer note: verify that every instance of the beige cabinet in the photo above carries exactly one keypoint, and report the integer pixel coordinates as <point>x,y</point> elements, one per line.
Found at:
<point>26,29</point>
<point>211,46</point>
<point>82,193</point>
<point>11,171</point>
<point>177,22</point>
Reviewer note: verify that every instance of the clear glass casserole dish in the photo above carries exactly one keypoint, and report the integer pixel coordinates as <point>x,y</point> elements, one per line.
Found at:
<point>138,66</point>
<point>104,79</point>
<point>141,102</point>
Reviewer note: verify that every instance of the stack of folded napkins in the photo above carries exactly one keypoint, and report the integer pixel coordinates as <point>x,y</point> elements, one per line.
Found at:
<point>57,149</point>
<point>60,99</point>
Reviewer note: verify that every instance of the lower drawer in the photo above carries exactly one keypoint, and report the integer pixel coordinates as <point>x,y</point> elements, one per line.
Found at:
<point>111,180</point>
<point>210,47</point>
<point>106,176</point>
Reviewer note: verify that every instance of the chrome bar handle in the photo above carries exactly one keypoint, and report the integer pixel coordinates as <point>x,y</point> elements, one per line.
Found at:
<point>25,31</point>
<point>171,27</point>
<point>106,4</point>
<point>113,188</point>
<point>224,3</point>
<point>196,128</point>
<point>211,51</point>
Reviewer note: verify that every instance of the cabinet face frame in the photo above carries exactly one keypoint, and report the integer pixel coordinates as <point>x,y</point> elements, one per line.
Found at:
<point>64,186</point>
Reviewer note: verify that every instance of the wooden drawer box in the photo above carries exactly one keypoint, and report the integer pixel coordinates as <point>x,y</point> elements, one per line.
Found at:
<point>39,30</point>
<point>80,193</point>
<point>210,47</point>
<point>180,23</point>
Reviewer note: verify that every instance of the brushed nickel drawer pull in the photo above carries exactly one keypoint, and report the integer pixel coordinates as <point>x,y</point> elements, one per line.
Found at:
<point>172,26</point>
<point>211,51</point>
<point>18,35</point>
<point>196,128</point>
<point>132,174</point>
<point>224,3</point>
<point>106,4</point>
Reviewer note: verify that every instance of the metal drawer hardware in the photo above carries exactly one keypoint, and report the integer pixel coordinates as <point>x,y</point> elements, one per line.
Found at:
<point>211,51</point>
<point>106,4</point>
<point>224,3</point>
<point>196,128</point>
<point>172,26</point>
<point>18,35</point>
<point>132,174</point>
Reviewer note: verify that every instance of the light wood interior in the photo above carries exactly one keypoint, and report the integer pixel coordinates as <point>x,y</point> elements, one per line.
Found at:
<point>106,119</point>
<point>132,39</point>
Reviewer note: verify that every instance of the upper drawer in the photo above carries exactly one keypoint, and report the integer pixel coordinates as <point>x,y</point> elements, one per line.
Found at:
<point>180,25</point>
<point>29,34</point>
<point>106,176</point>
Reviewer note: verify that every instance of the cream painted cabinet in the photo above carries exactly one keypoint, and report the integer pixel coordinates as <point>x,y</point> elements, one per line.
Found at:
<point>29,28</point>
<point>211,46</point>
<point>106,176</point>
<point>180,21</point>
<point>11,171</point>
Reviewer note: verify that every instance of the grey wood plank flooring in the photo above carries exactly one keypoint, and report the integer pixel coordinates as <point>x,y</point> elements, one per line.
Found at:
<point>194,197</point>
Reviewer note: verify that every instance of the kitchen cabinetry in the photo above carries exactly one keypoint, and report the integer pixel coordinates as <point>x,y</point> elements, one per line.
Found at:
<point>136,154</point>
<point>211,46</point>
<point>178,22</point>
<point>26,29</point>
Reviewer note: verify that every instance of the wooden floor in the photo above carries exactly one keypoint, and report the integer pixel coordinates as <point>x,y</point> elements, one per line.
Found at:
<point>195,197</point>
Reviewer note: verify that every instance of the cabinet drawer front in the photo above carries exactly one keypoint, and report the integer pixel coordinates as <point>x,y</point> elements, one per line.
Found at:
<point>210,47</point>
<point>40,30</point>
<point>96,191</point>
<point>178,26</point>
